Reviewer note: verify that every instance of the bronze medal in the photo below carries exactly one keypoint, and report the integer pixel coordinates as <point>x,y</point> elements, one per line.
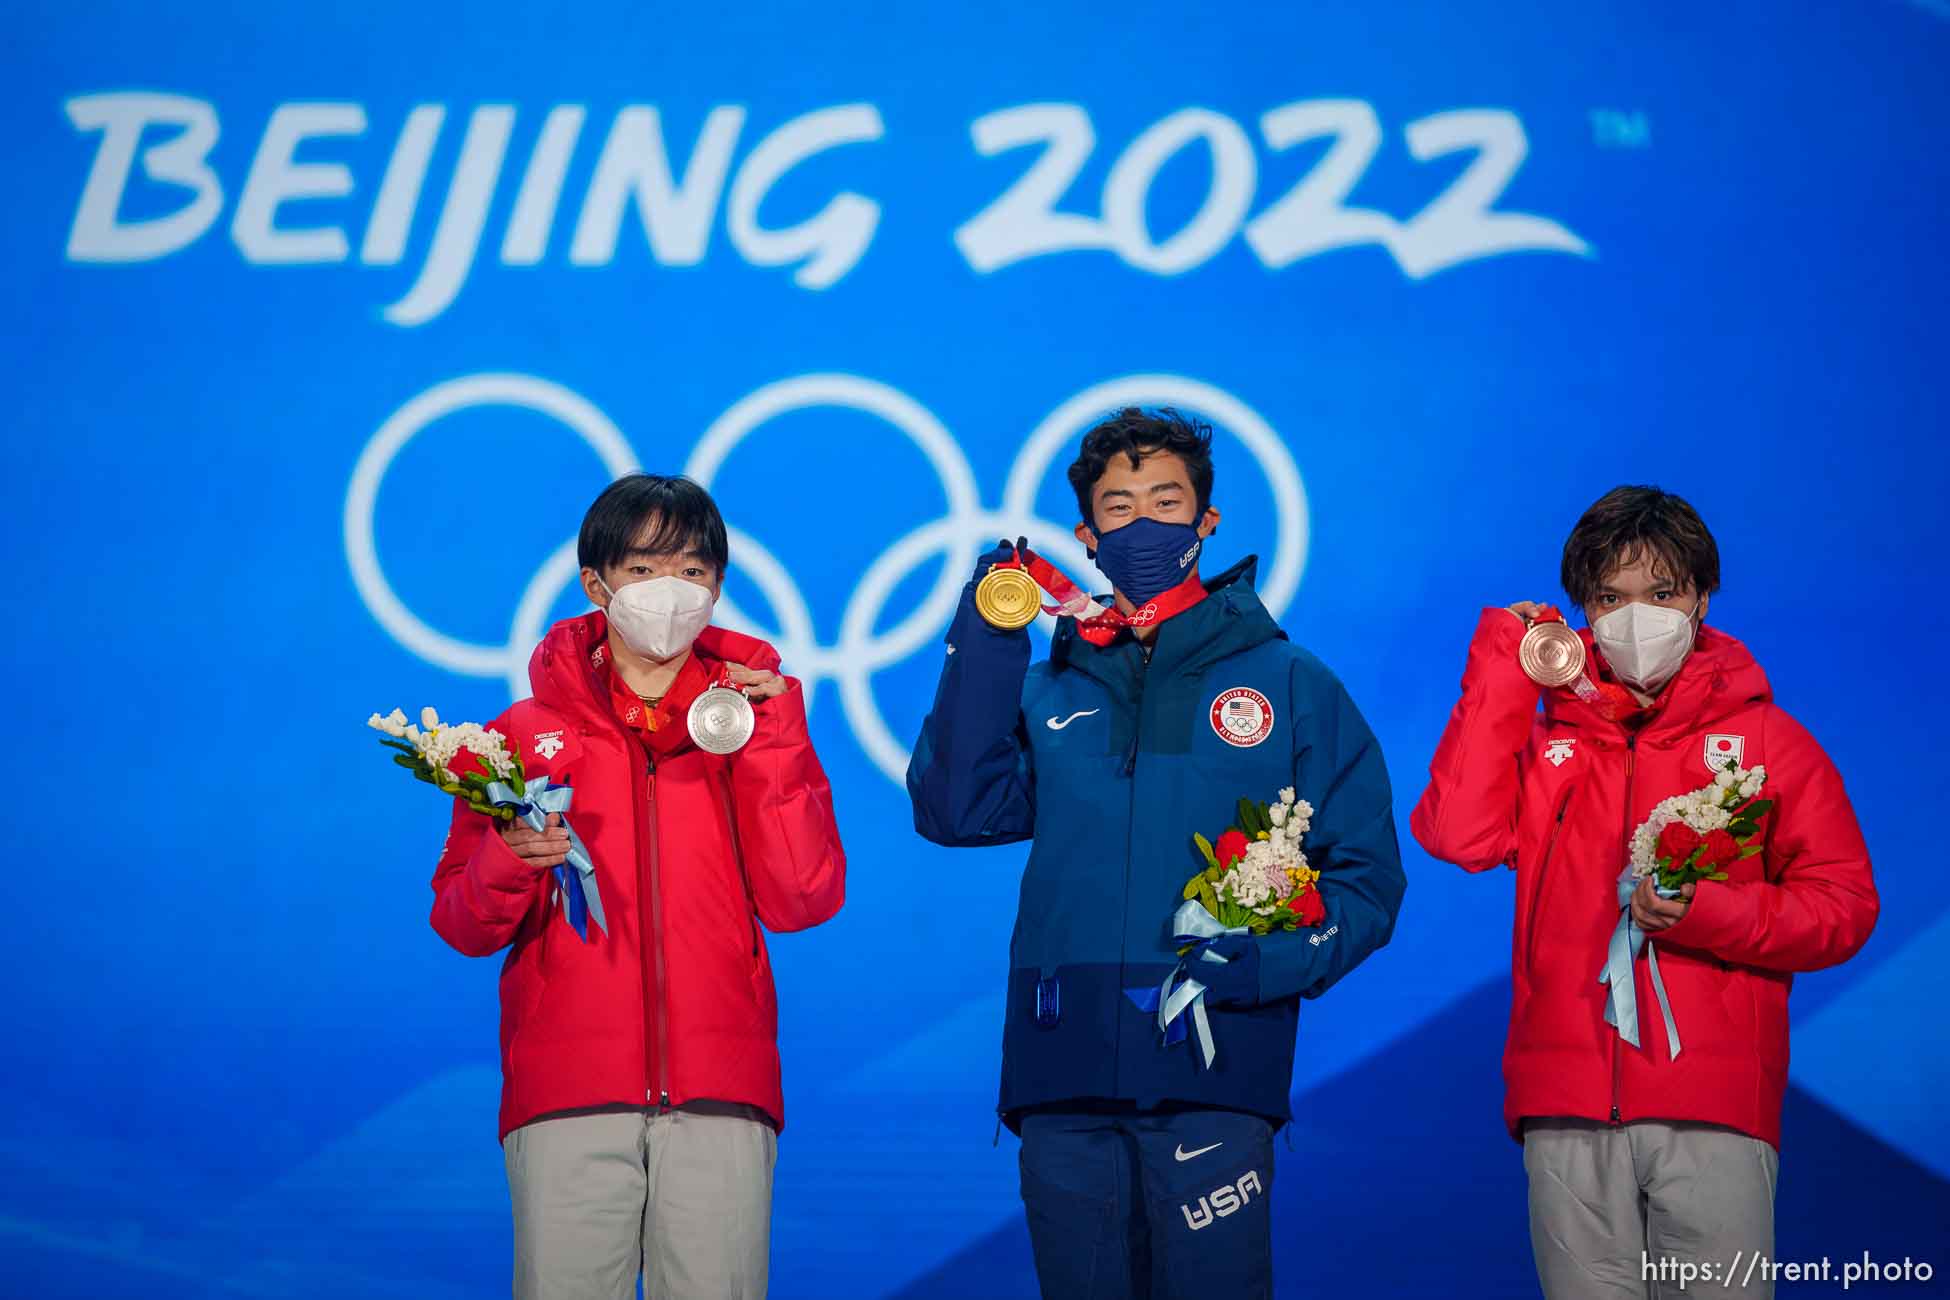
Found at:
<point>1551,654</point>
<point>721,720</point>
<point>1008,598</point>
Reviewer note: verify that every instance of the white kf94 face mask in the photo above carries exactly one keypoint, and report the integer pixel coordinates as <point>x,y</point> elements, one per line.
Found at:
<point>1645,644</point>
<point>659,617</point>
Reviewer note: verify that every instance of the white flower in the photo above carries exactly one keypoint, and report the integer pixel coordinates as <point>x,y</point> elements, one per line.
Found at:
<point>1277,815</point>
<point>1726,777</point>
<point>393,724</point>
<point>1287,795</point>
<point>429,719</point>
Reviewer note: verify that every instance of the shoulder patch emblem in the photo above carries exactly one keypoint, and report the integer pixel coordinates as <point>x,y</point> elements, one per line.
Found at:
<point>1722,750</point>
<point>1242,716</point>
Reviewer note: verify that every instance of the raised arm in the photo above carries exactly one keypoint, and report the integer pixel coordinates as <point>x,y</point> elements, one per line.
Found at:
<point>970,778</point>
<point>1468,815</point>
<point>786,829</point>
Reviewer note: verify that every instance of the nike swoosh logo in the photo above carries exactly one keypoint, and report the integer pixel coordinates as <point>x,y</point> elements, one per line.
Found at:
<point>1184,1155</point>
<point>1054,725</point>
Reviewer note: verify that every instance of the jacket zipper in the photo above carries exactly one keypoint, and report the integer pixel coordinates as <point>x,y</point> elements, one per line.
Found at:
<point>1137,729</point>
<point>1130,819</point>
<point>652,924</point>
<point>1631,777</point>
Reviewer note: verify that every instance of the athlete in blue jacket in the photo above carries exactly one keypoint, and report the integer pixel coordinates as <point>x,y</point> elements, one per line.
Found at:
<point>1145,1172</point>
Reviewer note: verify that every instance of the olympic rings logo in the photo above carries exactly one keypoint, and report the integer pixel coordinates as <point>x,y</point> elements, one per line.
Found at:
<point>850,662</point>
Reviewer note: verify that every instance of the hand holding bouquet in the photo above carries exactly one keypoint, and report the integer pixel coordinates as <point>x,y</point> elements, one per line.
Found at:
<point>1696,836</point>
<point>1255,876</point>
<point>496,786</point>
<point>1688,838</point>
<point>1256,880</point>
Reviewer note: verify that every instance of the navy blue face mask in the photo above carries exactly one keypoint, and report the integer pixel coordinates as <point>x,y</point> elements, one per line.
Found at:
<point>1145,558</point>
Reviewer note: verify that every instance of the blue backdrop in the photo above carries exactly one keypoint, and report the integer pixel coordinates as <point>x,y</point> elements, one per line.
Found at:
<point>326,325</point>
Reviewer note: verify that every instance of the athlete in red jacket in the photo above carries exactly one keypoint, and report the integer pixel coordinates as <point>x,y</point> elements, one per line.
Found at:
<point>641,1092</point>
<point>1637,1157</point>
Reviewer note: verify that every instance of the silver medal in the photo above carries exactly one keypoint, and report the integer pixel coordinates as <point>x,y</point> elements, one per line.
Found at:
<point>721,720</point>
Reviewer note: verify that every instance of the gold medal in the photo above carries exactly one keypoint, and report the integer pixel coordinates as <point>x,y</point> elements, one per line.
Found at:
<point>1008,598</point>
<point>721,720</point>
<point>1552,654</point>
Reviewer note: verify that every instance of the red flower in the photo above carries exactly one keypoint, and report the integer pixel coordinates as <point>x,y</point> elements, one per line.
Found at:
<point>1721,850</point>
<point>1677,842</point>
<point>1230,848</point>
<point>1307,906</point>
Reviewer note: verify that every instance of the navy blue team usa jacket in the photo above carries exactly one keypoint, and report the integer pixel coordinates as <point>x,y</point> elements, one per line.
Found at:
<point>1109,764</point>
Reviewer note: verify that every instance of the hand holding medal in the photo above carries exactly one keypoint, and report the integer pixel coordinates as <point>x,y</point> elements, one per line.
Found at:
<point>1553,655</point>
<point>1009,596</point>
<point>721,719</point>
<point>1550,652</point>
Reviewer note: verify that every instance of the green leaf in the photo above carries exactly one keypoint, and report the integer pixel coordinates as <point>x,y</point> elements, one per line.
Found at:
<point>1718,875</point>
<point>1205,849</point>
<point>1214,874</point>
<point>1756,810</point>
<point>1208,897</point>
<point>404,761</point>
<point>1753,850</point>
<point>1191,888</point>
<point>400,745</point>
<point>1247,822</point>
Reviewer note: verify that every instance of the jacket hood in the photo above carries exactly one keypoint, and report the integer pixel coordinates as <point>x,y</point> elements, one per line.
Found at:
<point>1719,678</point>
<point>1229,620</point>
<point>563,669</point>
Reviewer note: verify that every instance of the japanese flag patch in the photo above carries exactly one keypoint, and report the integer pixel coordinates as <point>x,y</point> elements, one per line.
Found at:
<point>1723,750</point>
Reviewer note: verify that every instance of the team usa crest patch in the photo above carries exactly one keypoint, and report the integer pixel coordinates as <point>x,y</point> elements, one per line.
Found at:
<point>1242,716</point>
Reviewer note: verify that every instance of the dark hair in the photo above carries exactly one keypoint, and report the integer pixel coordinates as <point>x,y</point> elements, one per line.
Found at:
<point>1628,522</point>
<point>1135,433</point>
<point>686,518</point>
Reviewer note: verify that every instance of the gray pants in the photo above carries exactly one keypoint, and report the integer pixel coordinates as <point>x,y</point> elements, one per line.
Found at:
<point>686,1197</point>
<point>1632,1210</point>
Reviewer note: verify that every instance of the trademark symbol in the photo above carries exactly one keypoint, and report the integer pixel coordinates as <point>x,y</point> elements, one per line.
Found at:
<point>1614,128</point>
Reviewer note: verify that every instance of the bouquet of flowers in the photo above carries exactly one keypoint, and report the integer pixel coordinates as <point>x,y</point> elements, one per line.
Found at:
<point>429,750</point>
<point>1255,876</point>
<point>1696,836</point>
<point>496,786</point>
<point>1256,880</point>
<point>1688,838</point>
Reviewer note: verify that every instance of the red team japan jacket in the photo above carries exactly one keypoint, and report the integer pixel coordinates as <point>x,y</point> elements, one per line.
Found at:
<point>674,1003</point>
<point>1557,795</point>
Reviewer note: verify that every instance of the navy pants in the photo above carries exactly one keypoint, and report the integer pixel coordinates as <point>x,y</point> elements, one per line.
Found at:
<point>1149,1205</point>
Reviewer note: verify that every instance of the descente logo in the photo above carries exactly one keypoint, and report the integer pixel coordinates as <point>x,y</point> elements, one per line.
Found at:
<point>1317,939</point>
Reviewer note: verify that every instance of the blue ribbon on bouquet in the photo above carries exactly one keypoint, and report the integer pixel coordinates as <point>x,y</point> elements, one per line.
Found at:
<point>576,878</point>
<point>1181,993</point>
<point>1622,1001</point>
